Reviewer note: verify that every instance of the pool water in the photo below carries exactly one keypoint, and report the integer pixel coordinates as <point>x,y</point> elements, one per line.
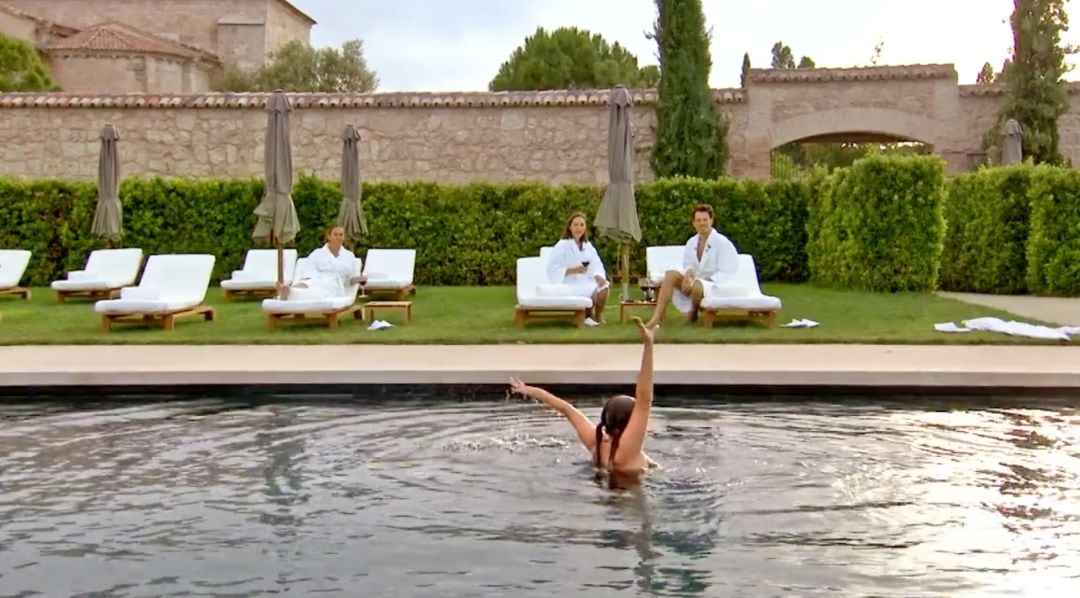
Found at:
<point>228,497</point>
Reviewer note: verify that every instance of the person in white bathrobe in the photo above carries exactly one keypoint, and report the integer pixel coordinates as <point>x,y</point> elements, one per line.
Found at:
<point>709,259</point>
<point>575,263</point>
<point>330,269</point>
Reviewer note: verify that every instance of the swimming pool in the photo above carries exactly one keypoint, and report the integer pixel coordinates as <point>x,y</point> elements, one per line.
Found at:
<point>468,498</point>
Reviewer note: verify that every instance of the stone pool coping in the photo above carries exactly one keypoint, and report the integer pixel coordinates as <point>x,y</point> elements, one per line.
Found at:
<point>914,366</point>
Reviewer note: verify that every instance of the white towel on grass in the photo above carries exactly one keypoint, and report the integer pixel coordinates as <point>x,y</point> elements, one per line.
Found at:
<point>1012,328</point>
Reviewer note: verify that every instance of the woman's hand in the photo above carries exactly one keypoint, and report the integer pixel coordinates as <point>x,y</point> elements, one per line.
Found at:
<point>645,331</point>
<point>519,387</point>
<point>577,270</point>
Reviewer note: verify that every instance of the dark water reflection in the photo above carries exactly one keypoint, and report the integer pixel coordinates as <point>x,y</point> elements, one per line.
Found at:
<point>225,498</point>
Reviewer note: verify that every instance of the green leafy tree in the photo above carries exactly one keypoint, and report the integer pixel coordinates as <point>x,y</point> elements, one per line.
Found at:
<point>21,68</point>
<point>297,66</point>
<point>571,58</point>
<point>691,136</point>
<point>745,75</point>
<point>784,58</point>
<point>986,74</point>
<point>1036,94</point>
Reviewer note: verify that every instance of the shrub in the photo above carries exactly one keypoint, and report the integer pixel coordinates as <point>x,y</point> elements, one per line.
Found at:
<point>879,225</point>
<point>987,214</point>
<point>1053,246</point>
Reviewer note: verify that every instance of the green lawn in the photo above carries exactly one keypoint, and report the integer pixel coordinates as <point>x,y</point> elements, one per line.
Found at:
<point>485,315</point>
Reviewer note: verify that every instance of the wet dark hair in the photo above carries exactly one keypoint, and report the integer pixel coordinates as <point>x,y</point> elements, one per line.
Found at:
<point>613,419</point>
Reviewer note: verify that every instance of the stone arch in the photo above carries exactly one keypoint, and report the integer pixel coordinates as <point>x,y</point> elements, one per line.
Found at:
<point>867,123</point>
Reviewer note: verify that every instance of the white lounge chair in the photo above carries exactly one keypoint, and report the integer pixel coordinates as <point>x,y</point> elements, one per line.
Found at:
<point>538,298</point>
<point>661,258</point>
<point>105,273</point>
<point>172,286</point>
<point>13,264</point>
<point>330,309</point>
<point>741,294</point>
<point>258,276</point>
<point>390,271</point>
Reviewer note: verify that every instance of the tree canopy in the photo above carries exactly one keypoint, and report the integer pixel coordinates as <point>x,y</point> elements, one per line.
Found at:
<point>21,68</point>
<point>571,58</point>
<point>296,66</point>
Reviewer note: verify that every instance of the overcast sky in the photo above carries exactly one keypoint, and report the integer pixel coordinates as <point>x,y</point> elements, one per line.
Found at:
<point>458,45</point>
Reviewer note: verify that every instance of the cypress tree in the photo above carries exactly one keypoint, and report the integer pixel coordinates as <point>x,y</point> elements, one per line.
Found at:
<point>690,139</point>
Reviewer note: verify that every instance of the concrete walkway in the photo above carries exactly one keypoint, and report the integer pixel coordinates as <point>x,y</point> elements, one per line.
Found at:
<point>1063,311</point>
<point>989,366</point>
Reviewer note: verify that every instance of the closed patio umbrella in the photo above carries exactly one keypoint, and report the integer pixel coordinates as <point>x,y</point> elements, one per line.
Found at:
<point>1012,151</point>
<point>277,221</point>
<point>108,214</point>
<point>351,214</point>
<point>617,216</point>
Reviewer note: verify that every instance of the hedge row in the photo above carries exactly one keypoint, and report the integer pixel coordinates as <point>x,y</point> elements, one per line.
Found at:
<point>879,225</point>
<point>469,234</point>
<point>1013,230</point>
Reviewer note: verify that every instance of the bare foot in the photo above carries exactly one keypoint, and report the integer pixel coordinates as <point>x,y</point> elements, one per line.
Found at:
<point>653,324</point>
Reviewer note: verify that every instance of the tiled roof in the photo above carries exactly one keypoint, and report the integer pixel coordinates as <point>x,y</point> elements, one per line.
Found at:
<point>118,37</point>
<point>870,73</point>
<point>333,100</point>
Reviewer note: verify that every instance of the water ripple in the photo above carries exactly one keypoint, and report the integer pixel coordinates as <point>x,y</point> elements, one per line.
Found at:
<point>225,497</point>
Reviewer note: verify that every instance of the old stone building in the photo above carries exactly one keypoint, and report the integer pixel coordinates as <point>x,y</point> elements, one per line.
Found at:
<point>151,46</point>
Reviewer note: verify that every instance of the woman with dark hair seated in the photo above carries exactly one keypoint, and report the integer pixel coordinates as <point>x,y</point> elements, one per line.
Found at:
<point>616,444</point>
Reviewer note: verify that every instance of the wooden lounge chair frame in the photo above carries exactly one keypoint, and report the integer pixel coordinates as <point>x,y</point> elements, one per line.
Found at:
<point>167,320</point>
<point>770,317</point>
<point>21,291</point>
<point>332,318</point>
<point>522,315</point>
<point>92,294</point>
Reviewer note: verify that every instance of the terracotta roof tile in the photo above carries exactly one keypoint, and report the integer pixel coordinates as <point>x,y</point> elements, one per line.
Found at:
<point>343,100</point>
<point>871,73</point>
<point>118,37</point>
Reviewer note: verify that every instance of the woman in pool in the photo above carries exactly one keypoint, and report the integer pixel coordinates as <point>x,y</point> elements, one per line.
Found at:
<point>575,263</point>
<point>616,443</point>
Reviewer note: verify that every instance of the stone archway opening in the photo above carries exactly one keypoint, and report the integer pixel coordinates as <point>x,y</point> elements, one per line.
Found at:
<point>830,151</point>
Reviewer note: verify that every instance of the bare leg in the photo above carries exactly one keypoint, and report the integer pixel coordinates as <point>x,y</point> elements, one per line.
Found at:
<point>697,293</point>
<point>672,280</point>
<point>599,298</point>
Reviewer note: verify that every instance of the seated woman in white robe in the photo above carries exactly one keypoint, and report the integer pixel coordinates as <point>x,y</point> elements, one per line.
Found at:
<point>330,269</point>
<point>575,263</point>
<point>709,260</point>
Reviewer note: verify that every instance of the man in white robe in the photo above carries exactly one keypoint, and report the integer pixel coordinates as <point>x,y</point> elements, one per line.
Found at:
<point>709,259</point>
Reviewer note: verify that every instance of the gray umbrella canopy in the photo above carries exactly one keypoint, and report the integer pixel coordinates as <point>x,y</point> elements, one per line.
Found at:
<point>108,215</point>
<point>1012,136</point>
<point>351,215</point>
<point>617,216</point>
<point>277,222</point>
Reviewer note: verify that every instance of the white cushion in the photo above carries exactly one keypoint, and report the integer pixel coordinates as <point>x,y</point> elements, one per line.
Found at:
<point>83,276</point>
<point>281,306</point>
<point>741,292</point>
<point>88,285</point>
<point>554,290</point>
<point>13,264</point>
<point>155,306</point>
<point>754,302</point>
<point>105,269</point>
<point>555,302</point>
<point>144,293</point>
<point>389,268</point>
<point>532,274</point>
<point>248,285</point>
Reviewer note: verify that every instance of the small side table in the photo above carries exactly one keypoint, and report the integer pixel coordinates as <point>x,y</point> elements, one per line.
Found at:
<point>405,307</point>
<point>626,306</point>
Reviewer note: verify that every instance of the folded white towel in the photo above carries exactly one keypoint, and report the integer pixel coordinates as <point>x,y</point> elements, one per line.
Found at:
<point>380,325</point>
<point>801,323</point>
<point>554,290</point>
<point>141,293</point>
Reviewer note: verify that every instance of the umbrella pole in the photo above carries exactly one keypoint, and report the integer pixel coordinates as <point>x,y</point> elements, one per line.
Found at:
<point>280,264</point>
<point>625,255</point>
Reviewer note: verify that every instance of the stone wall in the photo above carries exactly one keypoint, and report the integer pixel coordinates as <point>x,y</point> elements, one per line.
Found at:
<point>284,25</point>
<point>128,74</point>
<point>553,137</point>
<point>19,27</point>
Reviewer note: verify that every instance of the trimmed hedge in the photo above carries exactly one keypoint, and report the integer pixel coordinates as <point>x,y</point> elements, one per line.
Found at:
<point>987,214</point>
<point>470,234</point>
<point>1053,245</point>
<point>879,225</point>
